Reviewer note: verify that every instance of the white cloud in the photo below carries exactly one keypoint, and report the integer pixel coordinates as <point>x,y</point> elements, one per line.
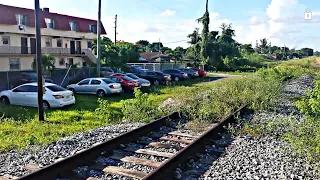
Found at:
<point>168,12</point>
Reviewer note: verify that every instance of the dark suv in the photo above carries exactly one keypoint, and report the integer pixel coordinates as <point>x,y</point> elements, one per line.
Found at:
<point>176,75</point>
<point>153,77</point>
<point>27,78</point>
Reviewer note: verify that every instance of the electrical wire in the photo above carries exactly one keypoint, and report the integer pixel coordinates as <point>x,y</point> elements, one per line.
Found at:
<point>176,41</point>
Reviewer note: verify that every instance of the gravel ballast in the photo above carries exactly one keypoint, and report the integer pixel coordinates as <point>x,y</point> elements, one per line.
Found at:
<point>266,157</point>
<point>14,162</point>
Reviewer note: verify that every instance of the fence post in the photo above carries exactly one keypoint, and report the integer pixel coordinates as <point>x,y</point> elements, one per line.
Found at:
<point>154,67</point>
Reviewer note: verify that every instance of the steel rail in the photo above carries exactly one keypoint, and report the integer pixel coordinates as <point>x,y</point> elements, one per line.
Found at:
<point>66,165</point>
<point>166,170</point>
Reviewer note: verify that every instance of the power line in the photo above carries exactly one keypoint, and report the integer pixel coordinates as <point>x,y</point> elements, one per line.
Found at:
<point>154,5</point>
<point>176,41</point>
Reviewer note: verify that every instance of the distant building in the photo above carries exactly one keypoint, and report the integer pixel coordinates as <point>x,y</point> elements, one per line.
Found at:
<point>69,39</point>
<point>154,57</point>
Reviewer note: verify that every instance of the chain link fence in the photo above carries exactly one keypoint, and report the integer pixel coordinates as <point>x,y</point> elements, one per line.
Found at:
<point>63,77</point>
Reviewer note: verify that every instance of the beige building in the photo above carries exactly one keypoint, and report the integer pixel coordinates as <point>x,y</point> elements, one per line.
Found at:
<point>69,39</point>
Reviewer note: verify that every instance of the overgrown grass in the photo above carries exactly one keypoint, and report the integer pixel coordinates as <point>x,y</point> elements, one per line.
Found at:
<point>22,129</point>
<point>302,135</point>
<point>19,126</point>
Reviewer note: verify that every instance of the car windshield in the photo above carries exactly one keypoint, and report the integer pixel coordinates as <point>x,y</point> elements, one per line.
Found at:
<point>108,81</point>
<point>132,76</point>
<point>127,78</point>
<point>56,88</point>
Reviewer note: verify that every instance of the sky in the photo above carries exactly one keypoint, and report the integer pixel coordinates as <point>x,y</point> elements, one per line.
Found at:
<point>170,21</point>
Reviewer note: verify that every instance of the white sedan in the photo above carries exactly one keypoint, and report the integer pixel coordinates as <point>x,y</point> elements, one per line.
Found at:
<point>27,95</point>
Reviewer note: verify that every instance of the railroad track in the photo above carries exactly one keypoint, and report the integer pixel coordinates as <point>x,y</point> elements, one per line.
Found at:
<point>152,151</point>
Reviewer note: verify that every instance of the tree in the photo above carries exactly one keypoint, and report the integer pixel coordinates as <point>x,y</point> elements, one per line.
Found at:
<point>143,42</point>
<point>48,63</point>
<point>263,46</point>
<point>205,20</point>
<point>194,37</point>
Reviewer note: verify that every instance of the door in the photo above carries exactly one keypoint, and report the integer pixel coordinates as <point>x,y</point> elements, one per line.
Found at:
<point>78,47</point>
<point>72,47</point>
<point>31,96</point>
<point>83,86</point>
<point>94,85</point>
<point>24,45</point>
<point>18,96</point>
<point>33,45</point>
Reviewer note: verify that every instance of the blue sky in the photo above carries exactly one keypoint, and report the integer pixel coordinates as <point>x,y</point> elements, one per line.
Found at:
<point>281,21</point>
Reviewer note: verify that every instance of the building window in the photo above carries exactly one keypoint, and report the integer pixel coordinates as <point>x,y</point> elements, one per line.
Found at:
<point>73,26</point>
<point>21,19</point>
<point>84,64</point>
<point>6,40</point>
<point>62,62</point>
<point>59,42</point>
<point>89,44</point>
<point>93,28</point>
<point>48,42</point>
<point>50,23</point>
<point>70,61</point>
<point>14,63</point>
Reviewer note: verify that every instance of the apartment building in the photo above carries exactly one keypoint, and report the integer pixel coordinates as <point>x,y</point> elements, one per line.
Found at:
<point>69,39</point>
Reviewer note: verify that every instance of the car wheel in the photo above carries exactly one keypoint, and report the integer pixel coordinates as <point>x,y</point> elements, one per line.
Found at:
<point>46,105</point>
<point>73,90</point>
<point>101,94</point>
<point>5,100</point>
<point>156,82</point>
<point>176,79</point>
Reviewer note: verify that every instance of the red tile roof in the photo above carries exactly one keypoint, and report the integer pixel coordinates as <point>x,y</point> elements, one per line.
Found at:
<point>8,16</point>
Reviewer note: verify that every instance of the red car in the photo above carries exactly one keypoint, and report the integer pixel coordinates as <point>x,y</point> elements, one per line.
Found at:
<point>202,73</point>
<point>128,84</point>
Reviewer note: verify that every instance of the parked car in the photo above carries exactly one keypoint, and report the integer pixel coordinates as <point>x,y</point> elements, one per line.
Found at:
<point>176,75</point>
<point>136,69</point>
<point>54,96</point>
<point>191,73</point>
<point>99,86</point>
<point>153,77</point>
<point>128,84</point>
<point>143,82</point>
<point>202,73</point>
<point>166,77</point>
<point>28,77</point>
<point>107,71</point>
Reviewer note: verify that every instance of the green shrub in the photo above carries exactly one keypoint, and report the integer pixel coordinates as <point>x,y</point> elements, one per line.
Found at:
<point>140,108</point>
<point>106,113</point>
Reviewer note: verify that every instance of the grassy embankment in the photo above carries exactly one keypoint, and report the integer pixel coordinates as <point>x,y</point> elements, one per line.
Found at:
<point>19,127</point>
<point>303,135</point>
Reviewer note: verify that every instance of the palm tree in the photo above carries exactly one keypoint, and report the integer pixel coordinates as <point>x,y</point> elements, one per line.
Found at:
<point>263,45</point>
<point>48,63</point>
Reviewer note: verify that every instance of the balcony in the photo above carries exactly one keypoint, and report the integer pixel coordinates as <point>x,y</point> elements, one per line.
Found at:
<point>25,51</point>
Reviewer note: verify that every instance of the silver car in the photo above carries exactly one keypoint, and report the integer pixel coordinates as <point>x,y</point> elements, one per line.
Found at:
<point>143,82</point>
<point>99,86</point>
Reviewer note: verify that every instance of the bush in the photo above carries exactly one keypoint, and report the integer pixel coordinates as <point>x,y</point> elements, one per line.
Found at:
<point>106,112</point>
<point>140,108</point>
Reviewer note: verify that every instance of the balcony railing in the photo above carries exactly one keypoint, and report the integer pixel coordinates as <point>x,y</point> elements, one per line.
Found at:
<point>5,50</point>
<point>16,50</point>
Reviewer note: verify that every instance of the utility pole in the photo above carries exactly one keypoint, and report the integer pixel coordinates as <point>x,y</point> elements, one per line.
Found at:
<point>38,60</point>
<point>99,39</point>
<point>115,30</point>
<point>159,47</point>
